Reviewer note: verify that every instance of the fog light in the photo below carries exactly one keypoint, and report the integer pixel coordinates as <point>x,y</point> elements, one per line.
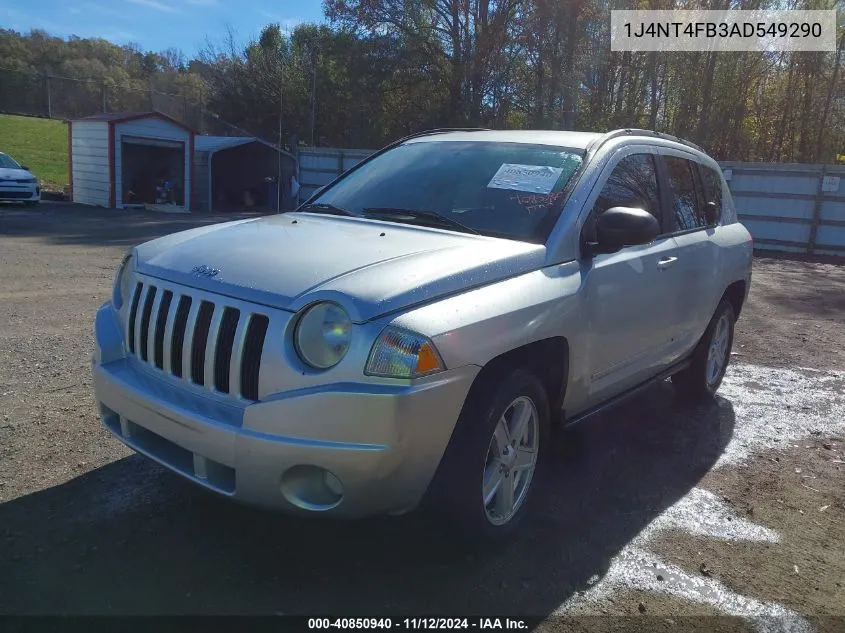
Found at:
<point>311,488</point>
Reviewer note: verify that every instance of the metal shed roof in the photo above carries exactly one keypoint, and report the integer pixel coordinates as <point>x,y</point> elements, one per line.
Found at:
<point>215,143</point>
<point>123,117</point>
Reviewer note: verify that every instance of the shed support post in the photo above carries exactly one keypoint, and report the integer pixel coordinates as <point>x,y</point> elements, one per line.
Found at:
<point>49,98</point>
<point>817,212</point>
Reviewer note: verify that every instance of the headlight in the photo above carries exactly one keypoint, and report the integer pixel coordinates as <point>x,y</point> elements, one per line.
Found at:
<point>322,335</point>
<point>399,353</point>
<point>123,281</point>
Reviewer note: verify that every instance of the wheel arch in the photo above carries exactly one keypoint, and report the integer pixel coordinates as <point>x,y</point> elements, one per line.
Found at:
<point>735,294</point>
<point>547,358</point>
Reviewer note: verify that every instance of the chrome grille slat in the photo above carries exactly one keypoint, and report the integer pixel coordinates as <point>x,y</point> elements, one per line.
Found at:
<point>200,342</point>
<point>223,349</point>
<point>167,341</point>
<point>253,348</point>
<point>211,346</point>
<point>177,343</point>
<point>144,326</point>
<point>133,315</point>
<point>161,324</point>
<point>191,336</point>
<point>188,340</point>
<point>237,354</point>
<point>136,324</point>
<point>151,327</point>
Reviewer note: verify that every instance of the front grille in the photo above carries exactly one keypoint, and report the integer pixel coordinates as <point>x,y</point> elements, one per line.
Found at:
<point>208,343</point>
<point>15,194</point>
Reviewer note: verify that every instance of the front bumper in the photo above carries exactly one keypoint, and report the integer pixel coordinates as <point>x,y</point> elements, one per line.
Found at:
<point>382,442</point>
<point>19,192</point>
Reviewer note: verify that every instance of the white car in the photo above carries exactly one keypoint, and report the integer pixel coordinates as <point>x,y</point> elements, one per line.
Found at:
<point>17,183</point>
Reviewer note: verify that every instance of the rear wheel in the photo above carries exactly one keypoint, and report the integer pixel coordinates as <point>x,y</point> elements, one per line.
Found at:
<point>711,357</point>
<point>491,465</point>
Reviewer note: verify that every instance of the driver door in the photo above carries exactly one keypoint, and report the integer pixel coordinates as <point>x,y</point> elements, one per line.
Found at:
<point>629,295</point>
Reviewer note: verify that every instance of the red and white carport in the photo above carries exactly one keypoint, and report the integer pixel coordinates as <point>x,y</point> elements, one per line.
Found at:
<point>118,159</point>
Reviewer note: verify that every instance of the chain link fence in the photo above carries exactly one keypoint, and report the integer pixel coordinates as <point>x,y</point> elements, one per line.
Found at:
<point>54,97</point>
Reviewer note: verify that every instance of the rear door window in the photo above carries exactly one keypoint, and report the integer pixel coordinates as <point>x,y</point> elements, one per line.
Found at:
<point>688,209</point>
<point>712,186</point>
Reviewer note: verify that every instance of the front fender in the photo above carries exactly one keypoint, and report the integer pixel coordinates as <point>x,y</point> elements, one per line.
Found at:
<point>479,325</point>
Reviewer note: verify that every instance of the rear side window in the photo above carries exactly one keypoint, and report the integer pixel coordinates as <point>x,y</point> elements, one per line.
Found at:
<point>632,183</point>
<point>712,186</point>
<point>687,208</point>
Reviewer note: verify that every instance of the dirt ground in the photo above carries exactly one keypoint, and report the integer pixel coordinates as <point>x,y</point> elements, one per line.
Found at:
<point>666,514</point>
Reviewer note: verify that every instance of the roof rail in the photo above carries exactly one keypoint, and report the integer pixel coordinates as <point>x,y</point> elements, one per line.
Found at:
<point>441,130</point>
<point>640,132</point>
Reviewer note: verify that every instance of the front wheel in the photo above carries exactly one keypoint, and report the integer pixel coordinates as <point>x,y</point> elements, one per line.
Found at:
<point>710,358</point>
<point>491,463</point>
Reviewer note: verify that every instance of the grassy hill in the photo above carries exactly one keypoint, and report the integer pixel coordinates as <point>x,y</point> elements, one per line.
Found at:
<point>40,144</point>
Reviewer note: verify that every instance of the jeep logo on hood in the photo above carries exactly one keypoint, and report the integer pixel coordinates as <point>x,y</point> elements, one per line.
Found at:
<point>204,271</point>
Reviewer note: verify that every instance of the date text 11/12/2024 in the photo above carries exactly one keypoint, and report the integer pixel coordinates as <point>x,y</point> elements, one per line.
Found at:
<point>420,623</point>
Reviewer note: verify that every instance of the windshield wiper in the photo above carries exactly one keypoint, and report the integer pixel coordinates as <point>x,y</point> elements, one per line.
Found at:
<point>324,207</point>
<point>419,214</point>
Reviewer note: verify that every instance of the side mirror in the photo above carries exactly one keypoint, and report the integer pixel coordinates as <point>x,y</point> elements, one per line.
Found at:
<point>623,226</point>
<point>711,213</point>
<point>25,167</point>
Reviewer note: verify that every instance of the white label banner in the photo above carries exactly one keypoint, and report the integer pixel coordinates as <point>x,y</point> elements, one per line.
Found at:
<point>718,31</point>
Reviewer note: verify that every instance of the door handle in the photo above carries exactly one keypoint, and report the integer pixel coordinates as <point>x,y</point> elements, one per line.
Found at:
<point>666,262</point>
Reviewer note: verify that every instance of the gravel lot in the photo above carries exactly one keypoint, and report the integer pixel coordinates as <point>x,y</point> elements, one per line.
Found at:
<point>735,508</point>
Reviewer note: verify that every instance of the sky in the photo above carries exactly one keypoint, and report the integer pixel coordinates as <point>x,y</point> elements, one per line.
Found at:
<point>157,24</point>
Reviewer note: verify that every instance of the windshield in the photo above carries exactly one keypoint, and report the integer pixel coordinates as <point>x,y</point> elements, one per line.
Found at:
<point>507,190</point>
<point>8,162</point>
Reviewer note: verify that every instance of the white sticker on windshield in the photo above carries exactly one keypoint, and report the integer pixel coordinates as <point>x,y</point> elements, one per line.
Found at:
<point>533,178</point>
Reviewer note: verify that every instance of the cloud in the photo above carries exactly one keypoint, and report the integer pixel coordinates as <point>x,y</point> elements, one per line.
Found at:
<point>203,3</point>
<point>24,22</point>
<point>286,24</point>
<point>102,9</point>
<point>156,5</point>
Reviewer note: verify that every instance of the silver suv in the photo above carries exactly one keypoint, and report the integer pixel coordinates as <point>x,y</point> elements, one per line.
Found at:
<point>413,331</point>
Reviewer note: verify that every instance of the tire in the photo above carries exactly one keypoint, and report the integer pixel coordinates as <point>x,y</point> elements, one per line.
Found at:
<point>472,458</point>
<point>702,378</point>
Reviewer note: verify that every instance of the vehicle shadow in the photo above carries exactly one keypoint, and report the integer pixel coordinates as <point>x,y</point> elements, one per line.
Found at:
<point>132,538</point>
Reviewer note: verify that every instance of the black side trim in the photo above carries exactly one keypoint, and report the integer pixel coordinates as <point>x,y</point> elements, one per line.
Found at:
<point>633,391</point>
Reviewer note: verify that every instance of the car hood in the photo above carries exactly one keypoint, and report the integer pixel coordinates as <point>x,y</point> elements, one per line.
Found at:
<point>7,173</point>
<point>371,267</point>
